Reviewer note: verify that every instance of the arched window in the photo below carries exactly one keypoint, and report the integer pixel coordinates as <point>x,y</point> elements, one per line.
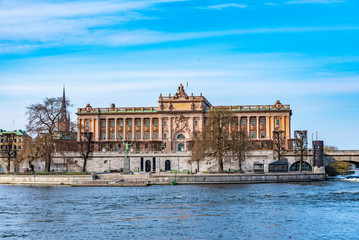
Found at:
<point>305,166</point>
<point>181,136</point>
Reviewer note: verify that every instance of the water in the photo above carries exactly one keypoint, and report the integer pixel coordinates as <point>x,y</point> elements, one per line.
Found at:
<point>321,210</point>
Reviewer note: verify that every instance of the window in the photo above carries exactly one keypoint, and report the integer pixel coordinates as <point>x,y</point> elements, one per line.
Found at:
<point>112,123</point>
<point>262,135</point>
<point>165,136</point>
<point>165,123</point>
<point>19,140</point>
<point>130,136</point>
<point>253,122</point>
<point>2,140</point>
<point>164,146</point>
<point>138,135</point>
<point>87,123</point>
<point>19,147</point>
<point>244,122</point>
<point>138,123</point>
<point>103,124</point>
<point>253,135</point>
<point>147,136</point>
<point>112,136</point>
<point>234,123</point>
<point>121,136</point>
<point>156,123</point>
<point>103,136</point>
<point>156,135</point>
<point>15,140</point>
<point>147,123</point>
<point>278,121</point>
<point>130,123</point>
<point>121,124</point>
<point>262,122</point>
<point>196,123</point>
<point>181,136</point>
<point>15,147</point>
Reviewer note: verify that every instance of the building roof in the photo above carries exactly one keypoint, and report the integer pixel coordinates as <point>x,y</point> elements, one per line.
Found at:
<point>16,132</point>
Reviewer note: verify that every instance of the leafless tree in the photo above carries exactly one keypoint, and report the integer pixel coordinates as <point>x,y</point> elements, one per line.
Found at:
<point>279,143</point>
<point>86,146</point>
<point>301,145</point>
<point>198,152</point>
<point>43,121</point>
<point>215,136</point>
<point>8,148</point>
<point>239,146</point>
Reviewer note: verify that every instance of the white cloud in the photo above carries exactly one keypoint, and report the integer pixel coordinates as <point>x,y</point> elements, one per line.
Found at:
<point>228,5</point>
<point>314,1</point>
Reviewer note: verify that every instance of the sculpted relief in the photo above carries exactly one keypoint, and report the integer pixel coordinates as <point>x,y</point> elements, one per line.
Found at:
<point>181,124</point>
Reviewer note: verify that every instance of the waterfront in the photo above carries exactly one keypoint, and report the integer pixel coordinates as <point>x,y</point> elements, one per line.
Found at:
<point>318,210</point>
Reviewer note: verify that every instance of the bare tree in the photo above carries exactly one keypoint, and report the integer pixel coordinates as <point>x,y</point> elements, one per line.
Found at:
<point>198,152</point>
<point>86,146</point>
<point>8,148</point>
<point>279,143</point>
<point>301,145</point>
<point>43,121</point>
<point>215,136</point>
<point>239,146</point>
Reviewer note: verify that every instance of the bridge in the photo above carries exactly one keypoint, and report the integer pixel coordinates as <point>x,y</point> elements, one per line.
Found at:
<point>351,156</point>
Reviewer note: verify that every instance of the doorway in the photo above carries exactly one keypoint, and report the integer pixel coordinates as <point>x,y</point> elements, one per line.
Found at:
<point>148,166</point>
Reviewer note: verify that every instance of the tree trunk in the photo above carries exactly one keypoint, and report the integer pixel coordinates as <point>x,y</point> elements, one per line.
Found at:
<point>220,164</point>
<point>8,164</point>
<point>85,163</point>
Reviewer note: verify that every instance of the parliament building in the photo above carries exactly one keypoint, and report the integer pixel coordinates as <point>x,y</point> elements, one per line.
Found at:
<point>171,125</point>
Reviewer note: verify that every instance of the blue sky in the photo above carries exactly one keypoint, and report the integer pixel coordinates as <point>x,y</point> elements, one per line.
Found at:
<point>302,52</point>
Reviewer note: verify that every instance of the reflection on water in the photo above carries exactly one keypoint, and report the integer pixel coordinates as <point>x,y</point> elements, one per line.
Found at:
<point>322,210</point>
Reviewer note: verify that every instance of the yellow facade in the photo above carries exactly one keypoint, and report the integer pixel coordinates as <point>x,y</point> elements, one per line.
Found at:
<point>171,125</point>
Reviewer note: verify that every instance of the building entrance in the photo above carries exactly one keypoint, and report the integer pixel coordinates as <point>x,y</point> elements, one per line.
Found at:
<point>148,166</point>
<point>167,165</point>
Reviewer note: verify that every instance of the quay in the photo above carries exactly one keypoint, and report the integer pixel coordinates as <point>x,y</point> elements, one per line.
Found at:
<point>122,180</point>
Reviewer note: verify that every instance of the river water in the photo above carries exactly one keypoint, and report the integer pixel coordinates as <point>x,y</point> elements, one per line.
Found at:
<point>320,210</point>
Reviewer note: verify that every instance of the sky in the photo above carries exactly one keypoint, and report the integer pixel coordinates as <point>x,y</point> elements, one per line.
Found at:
<point>248,52</point>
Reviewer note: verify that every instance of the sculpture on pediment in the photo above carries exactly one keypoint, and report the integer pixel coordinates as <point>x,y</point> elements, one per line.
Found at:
<point>162,106</point>
<point>181,123</point>
<point>278,105</point>
<point>88,108</point>
<point>180,93</point>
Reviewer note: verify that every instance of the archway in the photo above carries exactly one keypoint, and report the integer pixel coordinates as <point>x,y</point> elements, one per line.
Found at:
<point>305,166</point>
<point>148,166</point>
<point>167,165</point>
<point>341,168</point>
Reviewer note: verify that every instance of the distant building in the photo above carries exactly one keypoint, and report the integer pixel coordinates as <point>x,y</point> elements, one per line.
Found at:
<point>19,137</point>
<point>172,125</point>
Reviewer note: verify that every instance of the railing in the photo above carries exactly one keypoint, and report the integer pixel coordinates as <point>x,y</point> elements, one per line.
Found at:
<point>122,109</point>
<point>252,107</point>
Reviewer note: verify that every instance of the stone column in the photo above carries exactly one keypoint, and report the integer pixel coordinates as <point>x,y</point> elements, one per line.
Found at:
<point>116,130</point>
<point>133,128</point>
<point>170,132</point>
<point>98,137</point>
<point>160,133</point>
<point>258,137</point>
<point>272,125</point>
<point>230,127</point>
<point>124,128</point>
<point>248,127</point>
<point>267,127</point>
<point>142,129</point>
<point>107,129</point>
<point>93,125</point>
<point>151,130</point>
<point>288,127</point>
